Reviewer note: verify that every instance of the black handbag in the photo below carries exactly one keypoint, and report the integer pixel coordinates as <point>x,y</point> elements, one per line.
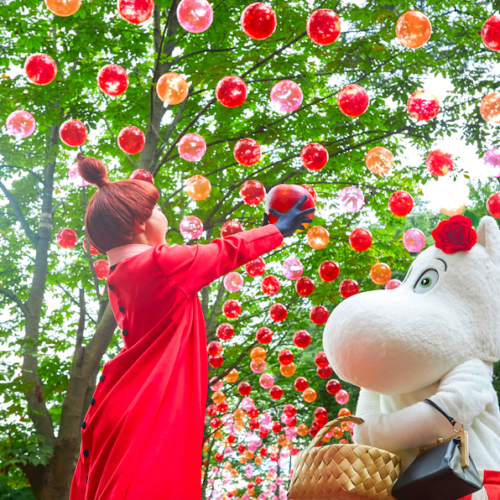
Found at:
<point>443,471</point>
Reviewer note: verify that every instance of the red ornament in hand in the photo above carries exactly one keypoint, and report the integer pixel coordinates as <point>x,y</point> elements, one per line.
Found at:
<point>455,234</point>
<point>255,267</point>
<point>323,26</point>
<point>319,315</point>
<point>360,240</point>
<point>270,285</point>
<point>278,312</point>
<point>304,286</point>
<point>329,270</point>
<point>314,156</point>
<point>353,100</point>
<point>73,133</point>
<point>348,288</point>
<point>258,21</point>
<point>401,203</point>
<point>231,91</point>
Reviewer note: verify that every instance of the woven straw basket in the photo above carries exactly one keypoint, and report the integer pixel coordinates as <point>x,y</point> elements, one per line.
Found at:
<point>343,471</point>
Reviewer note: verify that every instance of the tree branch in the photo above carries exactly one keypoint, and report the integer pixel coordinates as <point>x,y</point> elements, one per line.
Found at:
<point>15,299</point>
<point>75,301</point>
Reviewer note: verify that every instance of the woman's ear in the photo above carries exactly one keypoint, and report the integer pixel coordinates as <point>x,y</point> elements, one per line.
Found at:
<point>139,227</point>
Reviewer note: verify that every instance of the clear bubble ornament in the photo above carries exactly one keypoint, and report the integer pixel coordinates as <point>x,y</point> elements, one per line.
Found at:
<point>191,227</point>
<point>192,147</point>
<point>379,160</point>
<point>351,199</point>
<point>414,240</point>
<point>112,80</point>
<point>20,124</point>
<point>195,16</point>
<point>286,96</point>
<point>233,282</point>
<point>292,268</point>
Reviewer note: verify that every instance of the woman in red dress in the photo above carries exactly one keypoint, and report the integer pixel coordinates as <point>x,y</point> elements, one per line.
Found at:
<point>142,435</point>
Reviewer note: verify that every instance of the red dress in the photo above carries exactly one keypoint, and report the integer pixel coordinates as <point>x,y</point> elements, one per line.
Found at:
<point>142,435</point>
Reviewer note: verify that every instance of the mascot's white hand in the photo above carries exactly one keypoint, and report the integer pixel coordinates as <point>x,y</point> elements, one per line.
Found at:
<point>361,432</point>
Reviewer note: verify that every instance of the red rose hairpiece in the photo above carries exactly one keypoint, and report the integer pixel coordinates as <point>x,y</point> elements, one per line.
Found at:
<point>455,234</point>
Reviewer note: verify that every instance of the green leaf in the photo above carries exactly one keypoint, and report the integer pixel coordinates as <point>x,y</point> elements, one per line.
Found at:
<point>472,217</point>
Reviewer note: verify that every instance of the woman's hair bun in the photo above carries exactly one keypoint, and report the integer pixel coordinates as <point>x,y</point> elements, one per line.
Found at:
<point>92,170</point>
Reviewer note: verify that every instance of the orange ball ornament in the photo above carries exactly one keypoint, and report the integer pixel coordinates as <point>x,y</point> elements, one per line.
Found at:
<point>345,426</point>
<point>172,88</point>
<point>239,425</point>
<point>63,8</point>
<point>379,160</point>
<point>258,461</point>
<point>455,208</point>
<point>218,397</point>
<point>317,237</point>
<point>258,352</point>
<point>198,187</point>
<point>309,395</point>
<point>380,273</point>
<point>288,370</point>
<point>218,434</point>
<point>490,108</point>
<point>239,413</point>
<point>413,29</point>
<point>302,430</point>
<point>338,432</point>
<point>344,412</point>
<point>232,376</point>
<point>281,440</point>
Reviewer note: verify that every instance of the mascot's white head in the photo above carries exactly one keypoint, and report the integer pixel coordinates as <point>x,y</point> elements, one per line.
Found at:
<point>446,312</point>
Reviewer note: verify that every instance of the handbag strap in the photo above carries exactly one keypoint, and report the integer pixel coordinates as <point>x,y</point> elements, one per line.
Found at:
<point>439,409</point>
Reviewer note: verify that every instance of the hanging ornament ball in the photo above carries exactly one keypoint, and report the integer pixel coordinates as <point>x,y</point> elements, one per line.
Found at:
<point>191,227</point>
<point>66,238</point>
<point>329,270</point>
<point>321,360</point>
<point>135,11</point>
<point>490,108</point>
<point>351,199</point>
<point>314,156</point>
<point>348,288</point>
<point>172,88</point>
<point>264,335</point>
<point>333,387</point>
<point>317,237</point>
<point>195,16</point>
<point>400,203</point>
<point>490,34</point>
<point>353,100</point>
<point>231,309</point>
<point>75,177</point>
<point>270,285</point>
<point>285,357</point>
<point>255,267</point>
<point>423,105</point>
<point>360,239</point>
<point>112,80</point>
<point>40,69</point>
<point>392,284</point>
<point>304,286</point>
<point>198,187</point>
<point>142,175</point>
<point>493,205</point>
<point>325,372</point>
<point>20,124</point>
<point>283,197</point>
<point>244,388</point>
<point>288,370</point>
<point>231,91</point>
<point>233,282</point>
<point>258,352</point>
<point>302,339</point>
<point>380,273</point>
<point>492,161</point>
<point>230,227</point>
<point>414,240</point>
<point>257,365</point>
<point>266,381</point>
<point>342,397</point>
<point>258,21</point>
<point>131,140</point>
<point>232,376</point>
<point>311,191</point>
<point>225,331</point>
<point>309,395</point>
<point>292,268</point>
<point>379,160</point>
<point>93,249</point>
<point>318,315</point>
<point>247,152</point>
<point>278,312</point>
<point>323,26</point>
<point>192,147</point>
<point>63,8</point>
<point>73,133</point>
<point>252,192</point>
<point>101,267</point>
<point>214,349</point>
<point>413,29</point>
<point>301,384</point>
<point>439,162</point>
<point>286,96</point>
<point>276,392</point>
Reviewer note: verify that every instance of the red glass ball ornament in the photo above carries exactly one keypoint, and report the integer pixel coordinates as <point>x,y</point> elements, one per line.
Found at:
<point>212,410</point>
<point>244,388</point>
<point>353,100</point>
<point>219,456</point>
<point>231,309</point>
<point>252,192</point>
<point>131,140</point>
<point>304,286</point>
<point>439,162</point>
<point>93,249</point>
<point>264,335</point>
<point>319,315</point>
<point>259,479</point>
<point>348,288</point>
<point>360,239</point>
<point>230,227</point>
<point>241,448</point>
<point>270,285</point>
<point>291,422</point>
<point>313,431</point>
<point>333,386</point>
<point>215,361</point>
<point>321,414</point>
<point>215,422</point>
<point>325,372</point>
<point>490,34</point>
<point>278,312</point>
<point>222,407</point>
<point>423,105</point>
<point>321,360</point>
<point>276,426</point>
<point>323,26</point>
<point>329,270</point>
<point>247,152</point>
<point>289,410</point>
<point>112,80</point>
<point>302,339</point>
<point>263,451</point>
<point>67,238</point>
<point>214,348</point>
<point>142,175</point>
<point>258,21</point>
<point>276,392</point>
<point>231,91</point>
<point>301,384</point>
<point>311,191</point>
<point>253,412</point>
<point>294,451</point>
<point>73,133</point>
<point>225,331</point>
<point>314,156</point>
<point>135,11</point>
<point>400,203</point>
<point>101,267</point>
<point>231,438</point>
<point>40,69</point>
<point>263,432</point>
<point>285,357</point>
<point>256,267</point>
<point>254,424</point>
<point>493,205</point>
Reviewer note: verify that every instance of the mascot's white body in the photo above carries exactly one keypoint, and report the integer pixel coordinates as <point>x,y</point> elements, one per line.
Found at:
<point>436,336</point>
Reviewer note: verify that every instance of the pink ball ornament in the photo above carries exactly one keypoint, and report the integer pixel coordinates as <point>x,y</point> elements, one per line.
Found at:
<point>314,156</point>
<point>247,152</point>
<point>101,267</point>
<point>414,240</point>
<point>131,140</point>
<point>353,100</point>
<point>392,284</point>
<point>257,365</point>
<point>233,282</point>
<point>490,34</point>
<point>20,124</point>
<point>195,16</point>
<point>423,105</point>
<point>192,147</point>
<point>492,160</point>
<point>286,96</point>
<point>191,227</point>
<point>351,199</point>
<point>73,133</point>
<point>342,397</point>
<point>258,21</point>
<point>323,26</point>
<point>135,11</point>
<point>292,268</point>
<point>74,176</point>
<point>112,80</point>
<point>40,69</point>
<point>218,385</point>
<point>252,192</point>
<point>66,238</point>
<point>231,91</point>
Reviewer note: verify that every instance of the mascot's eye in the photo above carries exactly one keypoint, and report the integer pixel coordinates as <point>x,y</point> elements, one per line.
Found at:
<point>427,281</point>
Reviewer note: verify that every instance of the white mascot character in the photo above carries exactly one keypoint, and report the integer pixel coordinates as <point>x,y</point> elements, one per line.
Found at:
<point>436,336</point>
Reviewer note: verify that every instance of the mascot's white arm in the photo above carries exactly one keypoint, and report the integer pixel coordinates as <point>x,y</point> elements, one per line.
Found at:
<point>463,393</point>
